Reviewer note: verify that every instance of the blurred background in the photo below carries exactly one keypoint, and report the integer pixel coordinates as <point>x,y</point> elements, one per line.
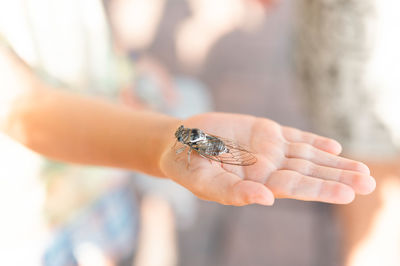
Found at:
<point>190,56</point>
<point>248,67</point>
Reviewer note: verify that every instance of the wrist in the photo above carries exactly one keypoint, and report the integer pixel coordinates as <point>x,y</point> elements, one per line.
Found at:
<point>166,140</point>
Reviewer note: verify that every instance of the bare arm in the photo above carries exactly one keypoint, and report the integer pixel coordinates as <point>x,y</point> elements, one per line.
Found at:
<point>74,128</point>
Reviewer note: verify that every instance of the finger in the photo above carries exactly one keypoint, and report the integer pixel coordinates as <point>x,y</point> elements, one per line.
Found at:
<point>227,188</point>
<point>323,143</point>
<point>361,183</point>
<point>310,153</point>
<point>293,185</point>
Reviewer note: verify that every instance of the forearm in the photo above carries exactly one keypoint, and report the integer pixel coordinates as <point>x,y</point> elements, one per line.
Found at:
<point>75,128</point>
<point>86,130</point>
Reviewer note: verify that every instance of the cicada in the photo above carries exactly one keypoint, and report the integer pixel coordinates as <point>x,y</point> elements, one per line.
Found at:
<point>213,147</point>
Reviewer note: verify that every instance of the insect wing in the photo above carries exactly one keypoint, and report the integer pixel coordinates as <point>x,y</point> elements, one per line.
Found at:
<point>237,155</point>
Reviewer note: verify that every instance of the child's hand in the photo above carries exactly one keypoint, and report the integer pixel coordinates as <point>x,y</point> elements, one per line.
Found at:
<point>291,164</point>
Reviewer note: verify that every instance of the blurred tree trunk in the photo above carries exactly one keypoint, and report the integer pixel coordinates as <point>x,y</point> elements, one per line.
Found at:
<point>348,61</point>
<point>348,65</point>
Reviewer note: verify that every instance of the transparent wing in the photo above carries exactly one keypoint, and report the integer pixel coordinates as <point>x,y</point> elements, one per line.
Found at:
<point>237,155</point>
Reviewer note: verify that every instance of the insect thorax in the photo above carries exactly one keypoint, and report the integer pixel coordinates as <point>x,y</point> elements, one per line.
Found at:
<point>189,135</point>
<point>196,135</point>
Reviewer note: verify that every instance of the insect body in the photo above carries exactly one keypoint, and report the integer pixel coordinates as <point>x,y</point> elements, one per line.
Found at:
<point>213,147</point>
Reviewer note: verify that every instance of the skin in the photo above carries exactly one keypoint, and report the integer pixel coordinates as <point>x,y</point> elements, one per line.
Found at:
<point>86,130</point>
<point>290,164</point>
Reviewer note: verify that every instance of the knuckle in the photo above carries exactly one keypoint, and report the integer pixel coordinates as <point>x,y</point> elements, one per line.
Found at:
<point>305,150</point>
<point>356,179</point>
<point>310,169</point>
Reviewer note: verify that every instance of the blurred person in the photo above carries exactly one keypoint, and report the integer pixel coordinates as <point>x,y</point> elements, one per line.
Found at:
<point>210,21</point>
<point>77,215</point>
<point>348,65</point>
<point>71,50</point>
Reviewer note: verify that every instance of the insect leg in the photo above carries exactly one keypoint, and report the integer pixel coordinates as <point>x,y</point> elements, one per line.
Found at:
<point>189,152</point>
<point>180,150</point>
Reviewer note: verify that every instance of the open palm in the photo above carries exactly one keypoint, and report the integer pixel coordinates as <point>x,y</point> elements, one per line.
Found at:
<point>290,164</point>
